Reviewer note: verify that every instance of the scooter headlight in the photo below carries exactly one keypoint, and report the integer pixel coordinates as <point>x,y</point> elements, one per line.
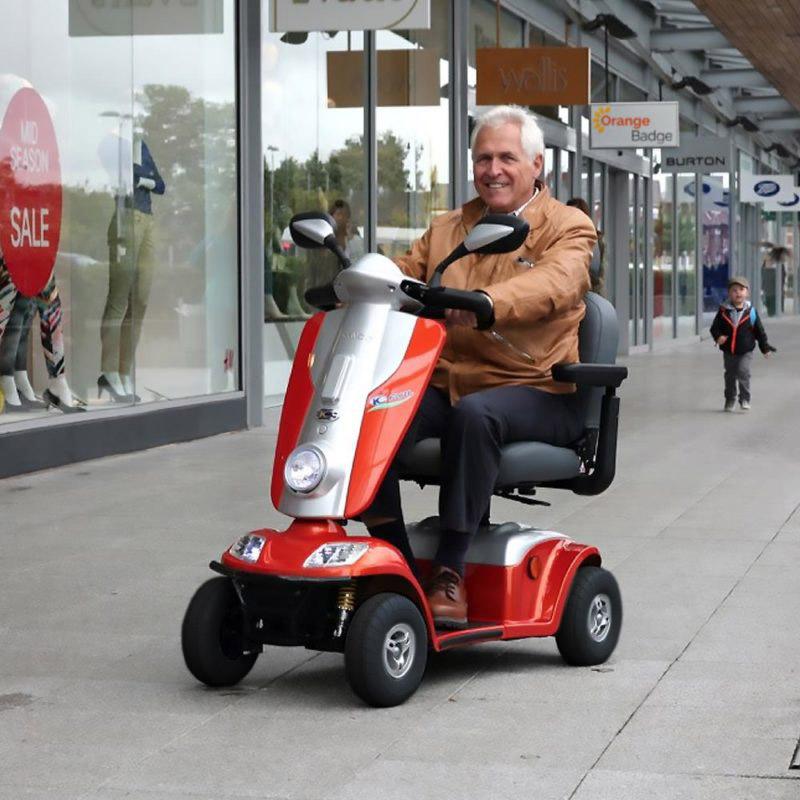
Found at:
<point>336,554</point>
<point>248,547</point>
<point>305,469</point>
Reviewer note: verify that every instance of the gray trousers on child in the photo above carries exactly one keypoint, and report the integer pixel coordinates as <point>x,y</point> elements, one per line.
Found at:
<point>737,368</point>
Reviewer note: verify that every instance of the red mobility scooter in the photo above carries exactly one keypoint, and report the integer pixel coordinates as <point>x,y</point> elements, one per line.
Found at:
<point>361,367</point>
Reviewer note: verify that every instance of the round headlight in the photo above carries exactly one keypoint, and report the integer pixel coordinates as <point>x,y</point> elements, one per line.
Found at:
<point>304,469</point>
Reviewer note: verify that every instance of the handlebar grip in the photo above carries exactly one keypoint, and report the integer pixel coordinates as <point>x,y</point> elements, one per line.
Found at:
<point>322,297</point>
<point>479,303</point>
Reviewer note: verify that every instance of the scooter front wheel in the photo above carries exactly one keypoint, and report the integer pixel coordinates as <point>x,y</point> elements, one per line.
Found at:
<point>592,618</point>
<point>212,635</point>
<point>386,650</point>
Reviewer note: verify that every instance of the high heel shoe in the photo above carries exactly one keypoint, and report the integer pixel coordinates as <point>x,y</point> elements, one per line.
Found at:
<point>103,385</point>
<point>53,400</point>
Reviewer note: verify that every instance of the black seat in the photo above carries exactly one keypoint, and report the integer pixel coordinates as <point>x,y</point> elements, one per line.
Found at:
<point>588,466</point>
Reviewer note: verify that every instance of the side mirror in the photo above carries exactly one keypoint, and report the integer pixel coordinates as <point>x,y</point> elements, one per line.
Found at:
<point>497,233</point>
<point>311,229</point>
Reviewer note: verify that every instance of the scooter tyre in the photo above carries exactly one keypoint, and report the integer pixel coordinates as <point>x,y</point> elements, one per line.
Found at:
<point>381,628</point>
<point>211,635</point>
<point>580,639</point>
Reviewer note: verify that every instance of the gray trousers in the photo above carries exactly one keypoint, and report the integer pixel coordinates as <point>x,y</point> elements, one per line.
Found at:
<point>737,368</point>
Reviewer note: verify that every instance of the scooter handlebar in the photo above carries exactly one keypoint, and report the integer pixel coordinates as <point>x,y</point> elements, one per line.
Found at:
<point>439,297</point>
<point>322,297</point>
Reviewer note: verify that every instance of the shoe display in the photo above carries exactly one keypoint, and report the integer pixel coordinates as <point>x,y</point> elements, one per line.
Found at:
<point>116,394</point>
<point>447,596</point>
<point>745,405</point>
<point>730,406</point>
<point>53,400</point>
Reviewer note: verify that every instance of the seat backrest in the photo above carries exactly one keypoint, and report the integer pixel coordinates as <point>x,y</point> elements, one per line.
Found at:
<point>597,341</point>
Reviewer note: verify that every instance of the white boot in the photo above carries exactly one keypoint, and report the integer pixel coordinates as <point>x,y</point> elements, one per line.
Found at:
<point>10,391</point>
<point>60,389</point>
<point>24,385</point>
<point>293,307</point>
<point>127,384</point>
<point>271,310</point>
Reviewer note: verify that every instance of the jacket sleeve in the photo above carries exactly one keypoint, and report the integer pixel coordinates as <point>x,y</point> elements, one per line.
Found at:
<point>415,262</point>
<point>556,284</point>
<point>761,336</point>
<point>145,175</point>
<point>716,326</point>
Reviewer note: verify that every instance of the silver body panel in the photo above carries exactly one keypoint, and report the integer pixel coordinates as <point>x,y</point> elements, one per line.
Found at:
<point>359,347</point>
<point>502,545</point>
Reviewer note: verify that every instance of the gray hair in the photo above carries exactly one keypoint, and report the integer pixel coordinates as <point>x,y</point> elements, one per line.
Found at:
<point>531,136</point>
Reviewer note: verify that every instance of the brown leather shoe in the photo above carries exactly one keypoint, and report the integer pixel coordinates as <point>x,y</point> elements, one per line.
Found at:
<point>447,596</point>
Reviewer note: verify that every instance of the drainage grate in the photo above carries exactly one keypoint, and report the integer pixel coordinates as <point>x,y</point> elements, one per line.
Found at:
<point>795,762</point>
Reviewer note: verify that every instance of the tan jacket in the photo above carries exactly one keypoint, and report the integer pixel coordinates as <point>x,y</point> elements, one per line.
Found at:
<point>537,292</point>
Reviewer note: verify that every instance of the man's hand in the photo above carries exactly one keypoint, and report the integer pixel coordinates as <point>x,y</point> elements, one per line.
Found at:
<point>456,316</point>
<point>721,340</point>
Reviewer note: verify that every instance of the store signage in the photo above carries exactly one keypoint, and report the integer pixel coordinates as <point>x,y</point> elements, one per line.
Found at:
<point>625,125</point>
<point>404,78</point>
<point>144,17</point>
<point>533,76</point>
<point>30,192</point>
<point>348,15</point>
<point>698,154</point>
<point>792,203</point>
<point>757,188</point>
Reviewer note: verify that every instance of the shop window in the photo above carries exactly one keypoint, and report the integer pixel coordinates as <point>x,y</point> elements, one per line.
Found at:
<point>135,135</point>
<point>313,138</point>
<point>412,121</point>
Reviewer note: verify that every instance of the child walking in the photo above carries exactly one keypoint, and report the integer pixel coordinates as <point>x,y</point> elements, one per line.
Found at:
<point>736,329</point>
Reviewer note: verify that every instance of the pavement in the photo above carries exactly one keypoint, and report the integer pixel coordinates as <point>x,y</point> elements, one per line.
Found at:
<point>701,700</point>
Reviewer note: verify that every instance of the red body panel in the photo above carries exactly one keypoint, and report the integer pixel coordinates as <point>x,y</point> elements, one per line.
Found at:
<point>298,399</point>
<point>504,602</point>
<point>384,424</point>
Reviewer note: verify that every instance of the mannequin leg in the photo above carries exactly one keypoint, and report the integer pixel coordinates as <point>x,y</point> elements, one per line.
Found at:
<point>14,352</point>
<point>140,293</point>
<point>8,294</point>
<point>120,278</point>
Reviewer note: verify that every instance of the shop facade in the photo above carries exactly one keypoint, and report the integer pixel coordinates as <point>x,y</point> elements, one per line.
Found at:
<point>186,134</point>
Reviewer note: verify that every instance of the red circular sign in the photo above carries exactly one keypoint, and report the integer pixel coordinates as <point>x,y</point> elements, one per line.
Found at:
<point>30,192</point>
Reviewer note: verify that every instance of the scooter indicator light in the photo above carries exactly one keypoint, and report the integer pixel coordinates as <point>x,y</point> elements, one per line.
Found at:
<point>336,554</point>
<point>248,547</point>
<point>304,469</point>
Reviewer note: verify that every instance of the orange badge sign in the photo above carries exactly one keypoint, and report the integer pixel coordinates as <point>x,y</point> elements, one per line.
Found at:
<point>30,192</point>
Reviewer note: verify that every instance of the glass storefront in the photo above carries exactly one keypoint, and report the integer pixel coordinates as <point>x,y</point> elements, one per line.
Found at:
<point>119,282</point>
<point>662,256</point>
<point>686,255</point>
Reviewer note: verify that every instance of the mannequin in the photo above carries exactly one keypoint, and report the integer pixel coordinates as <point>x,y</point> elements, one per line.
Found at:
<point>15,384</point>
<point>131,251</point>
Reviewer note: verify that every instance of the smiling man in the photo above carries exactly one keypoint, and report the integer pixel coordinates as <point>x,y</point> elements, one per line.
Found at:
<point>488,392</point>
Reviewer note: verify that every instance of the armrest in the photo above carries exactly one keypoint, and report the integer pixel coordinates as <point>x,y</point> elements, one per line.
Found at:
<point>590,374</point>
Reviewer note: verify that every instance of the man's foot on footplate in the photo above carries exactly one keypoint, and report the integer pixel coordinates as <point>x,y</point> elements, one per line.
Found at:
<point>447,596</point>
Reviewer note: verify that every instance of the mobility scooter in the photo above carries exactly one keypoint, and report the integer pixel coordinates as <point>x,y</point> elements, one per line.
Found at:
<point>361,367</point>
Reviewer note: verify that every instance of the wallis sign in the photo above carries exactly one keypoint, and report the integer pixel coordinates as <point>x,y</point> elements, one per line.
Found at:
<point>533,76</point>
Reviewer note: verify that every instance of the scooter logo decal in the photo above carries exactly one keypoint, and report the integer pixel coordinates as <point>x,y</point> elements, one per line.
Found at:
<point>379,402</point>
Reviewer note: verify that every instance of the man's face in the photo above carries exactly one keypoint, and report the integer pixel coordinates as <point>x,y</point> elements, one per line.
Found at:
<point>503,172</point>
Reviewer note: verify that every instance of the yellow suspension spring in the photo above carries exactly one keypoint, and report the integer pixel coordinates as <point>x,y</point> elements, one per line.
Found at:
<point>346,600</point>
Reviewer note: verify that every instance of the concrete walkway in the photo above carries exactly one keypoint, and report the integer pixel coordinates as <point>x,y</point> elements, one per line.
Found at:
<point>701,699</point>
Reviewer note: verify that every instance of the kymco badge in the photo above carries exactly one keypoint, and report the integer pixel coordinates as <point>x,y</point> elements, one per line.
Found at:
<point>30,192</point>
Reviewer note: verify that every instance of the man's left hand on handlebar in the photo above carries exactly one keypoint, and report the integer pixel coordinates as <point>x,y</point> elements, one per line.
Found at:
<point>457,316</point>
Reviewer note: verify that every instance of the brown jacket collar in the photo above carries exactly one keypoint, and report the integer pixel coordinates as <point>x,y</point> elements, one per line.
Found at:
<point>538,210</point>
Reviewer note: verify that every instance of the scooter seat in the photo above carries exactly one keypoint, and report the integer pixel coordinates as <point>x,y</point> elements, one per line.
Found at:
<point>520,463</point>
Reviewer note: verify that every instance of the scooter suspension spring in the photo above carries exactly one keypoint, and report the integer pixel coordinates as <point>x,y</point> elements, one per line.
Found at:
<point>345,602</point>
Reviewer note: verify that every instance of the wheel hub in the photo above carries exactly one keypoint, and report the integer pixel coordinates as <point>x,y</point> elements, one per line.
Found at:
<point>599,617</point>
<point>399,649</point>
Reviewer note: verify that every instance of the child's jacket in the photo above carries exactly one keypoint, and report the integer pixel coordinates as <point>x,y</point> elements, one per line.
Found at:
<point>742,327</point>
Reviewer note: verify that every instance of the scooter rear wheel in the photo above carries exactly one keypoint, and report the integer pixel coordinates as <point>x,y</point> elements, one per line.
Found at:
<point>212,635</point>
<point>386,650</point>
<point>592,618</point>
